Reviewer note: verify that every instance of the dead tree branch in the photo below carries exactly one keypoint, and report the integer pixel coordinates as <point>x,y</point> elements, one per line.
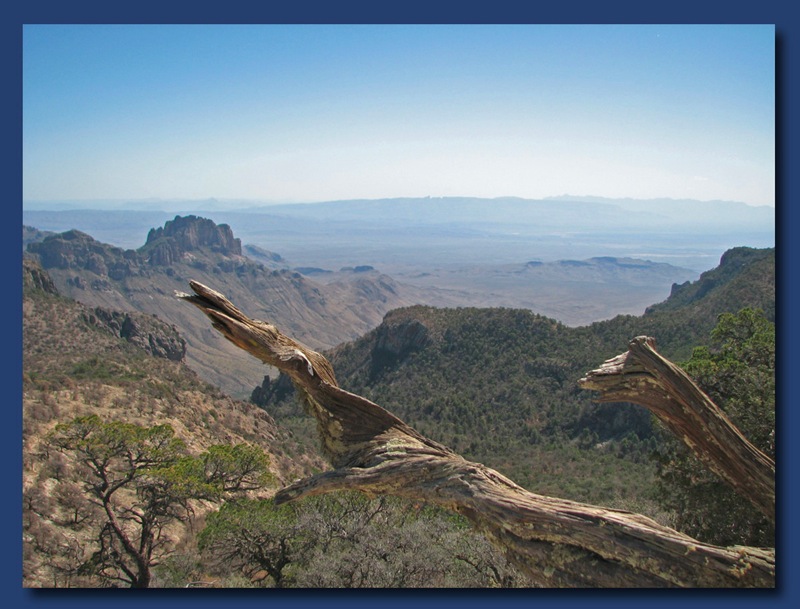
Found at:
<point>642,376</point>
<point>559,543</point>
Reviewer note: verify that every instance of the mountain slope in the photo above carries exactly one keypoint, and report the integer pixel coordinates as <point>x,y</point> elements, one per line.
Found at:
<point>78,360</point>
<point>187,248</point>
<point>499,385</point>
<point>123,367</point>
<point>745,277</point>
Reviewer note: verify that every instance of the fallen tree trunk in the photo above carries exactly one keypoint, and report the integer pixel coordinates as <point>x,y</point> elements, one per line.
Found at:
<point>558,543</point>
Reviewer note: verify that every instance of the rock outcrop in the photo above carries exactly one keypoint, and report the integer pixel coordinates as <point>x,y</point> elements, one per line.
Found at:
<point>179,240</point>
<point>34,276</point>
<point>147,332</point>
<point>396,341</point>
<point>167,245</point>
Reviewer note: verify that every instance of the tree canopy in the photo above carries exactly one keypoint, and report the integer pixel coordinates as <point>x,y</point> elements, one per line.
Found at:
<point>142,479</point>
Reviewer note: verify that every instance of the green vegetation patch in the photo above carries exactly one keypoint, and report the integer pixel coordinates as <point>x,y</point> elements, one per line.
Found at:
<point>101,369</point>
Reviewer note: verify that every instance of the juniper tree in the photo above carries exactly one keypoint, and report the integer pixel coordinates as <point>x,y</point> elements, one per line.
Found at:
<point>143,479</point>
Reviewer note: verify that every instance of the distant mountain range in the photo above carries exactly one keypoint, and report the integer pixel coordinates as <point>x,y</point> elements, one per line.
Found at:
<point>404,236</point>
<point>550,211</point>
<point>322,307</point>
<point>536,216</point>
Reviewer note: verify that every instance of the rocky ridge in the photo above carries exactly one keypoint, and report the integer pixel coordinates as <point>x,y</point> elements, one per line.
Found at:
<point>191,248</point>
<point>170,243</point>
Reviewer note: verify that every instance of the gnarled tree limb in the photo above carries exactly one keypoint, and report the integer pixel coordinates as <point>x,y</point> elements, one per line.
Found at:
<point>642,376</point>
<point>559,543</point>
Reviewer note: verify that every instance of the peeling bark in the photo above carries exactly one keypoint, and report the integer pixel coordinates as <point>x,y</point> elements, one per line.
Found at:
<point>559,543</point>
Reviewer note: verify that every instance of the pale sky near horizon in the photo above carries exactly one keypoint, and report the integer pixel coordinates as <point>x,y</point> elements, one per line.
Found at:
<point>323,112</point>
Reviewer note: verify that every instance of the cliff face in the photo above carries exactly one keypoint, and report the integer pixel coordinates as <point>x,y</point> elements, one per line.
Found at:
<point>147,332</point>
<point>167,245</point>
<point>394,342</point>
<point>399,339</point>
<point>74,250</point>
<point>743,274</point>
<point>35,277</point>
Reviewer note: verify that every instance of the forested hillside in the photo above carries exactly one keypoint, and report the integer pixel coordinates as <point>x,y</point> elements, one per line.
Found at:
<point>499,385</point>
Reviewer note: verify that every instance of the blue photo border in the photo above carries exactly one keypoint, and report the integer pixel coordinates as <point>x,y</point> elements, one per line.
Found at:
<point>411,11</point>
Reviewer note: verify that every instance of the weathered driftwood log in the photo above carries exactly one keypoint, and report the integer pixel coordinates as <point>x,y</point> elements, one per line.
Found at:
<point>642,376</point>
<point>559,543</point>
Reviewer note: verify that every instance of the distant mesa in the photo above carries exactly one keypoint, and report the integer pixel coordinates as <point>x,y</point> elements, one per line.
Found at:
<point>604,261</point>
<point>364,268</point>
<point>315,270</point>
<point>312,270</point>
<point>574,263</point>
<point>628,263</point>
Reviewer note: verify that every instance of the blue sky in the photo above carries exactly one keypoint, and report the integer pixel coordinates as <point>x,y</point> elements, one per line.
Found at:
<point>313,113</point>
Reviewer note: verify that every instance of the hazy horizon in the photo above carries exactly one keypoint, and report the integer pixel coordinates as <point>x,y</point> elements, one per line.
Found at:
<point>405,234</point>
<point>219,204</point>
<point>278,114</point>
